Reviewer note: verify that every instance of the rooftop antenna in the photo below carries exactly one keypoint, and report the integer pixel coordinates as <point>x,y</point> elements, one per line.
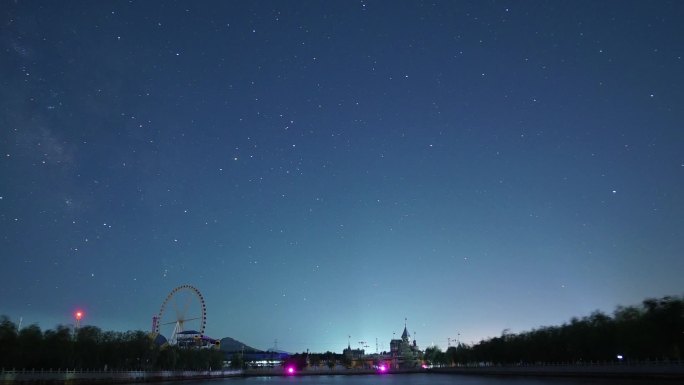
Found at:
<point>376,345</point>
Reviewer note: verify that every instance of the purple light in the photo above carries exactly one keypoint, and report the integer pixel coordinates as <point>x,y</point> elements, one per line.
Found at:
<point>290,370</point>
<point>382,368</point>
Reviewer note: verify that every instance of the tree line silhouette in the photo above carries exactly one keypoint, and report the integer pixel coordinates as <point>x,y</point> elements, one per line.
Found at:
<point>652,331</point>
<point>89,348</point>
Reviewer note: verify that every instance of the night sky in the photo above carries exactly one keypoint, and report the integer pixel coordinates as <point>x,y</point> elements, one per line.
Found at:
<point>325,169</point>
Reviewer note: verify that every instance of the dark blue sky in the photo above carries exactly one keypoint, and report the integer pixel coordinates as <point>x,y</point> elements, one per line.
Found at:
<point>322,169</point>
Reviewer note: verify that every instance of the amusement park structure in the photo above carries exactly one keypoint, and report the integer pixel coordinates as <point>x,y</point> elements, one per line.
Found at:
<point>182,318</point>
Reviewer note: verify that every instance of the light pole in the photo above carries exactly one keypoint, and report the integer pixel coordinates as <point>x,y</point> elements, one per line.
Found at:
<point>78,315</point>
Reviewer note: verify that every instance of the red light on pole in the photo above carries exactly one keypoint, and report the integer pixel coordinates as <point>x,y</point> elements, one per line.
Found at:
<point>78,315</point>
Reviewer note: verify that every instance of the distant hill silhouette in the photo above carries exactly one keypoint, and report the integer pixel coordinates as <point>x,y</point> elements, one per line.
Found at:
<point>230,345</point>
<point>159,339</point>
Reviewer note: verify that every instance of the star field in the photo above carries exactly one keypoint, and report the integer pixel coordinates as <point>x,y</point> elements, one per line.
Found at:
<point>324,169</point>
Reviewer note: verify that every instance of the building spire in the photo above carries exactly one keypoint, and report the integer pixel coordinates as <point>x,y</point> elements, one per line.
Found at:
<point>405,335</point>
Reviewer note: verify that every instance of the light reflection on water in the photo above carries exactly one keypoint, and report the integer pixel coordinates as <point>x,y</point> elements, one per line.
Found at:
<point>417,379</point>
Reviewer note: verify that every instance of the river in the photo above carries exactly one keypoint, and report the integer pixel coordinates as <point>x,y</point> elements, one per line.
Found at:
<point>419,379</point>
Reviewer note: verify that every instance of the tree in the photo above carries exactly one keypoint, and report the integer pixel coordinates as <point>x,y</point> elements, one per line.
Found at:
<point>433,355</point>
<point>30,342</point>
<point>88,347</point>
<point>315,360</point>
<point>58,348</point>
<point>451,355</point>
<point>237,361</point>
<point>330,359</point>
<point>8,343</point>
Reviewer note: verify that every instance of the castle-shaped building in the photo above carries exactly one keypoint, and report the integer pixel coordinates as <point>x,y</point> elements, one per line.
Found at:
<point>404,351</point>
<point>353,354</point>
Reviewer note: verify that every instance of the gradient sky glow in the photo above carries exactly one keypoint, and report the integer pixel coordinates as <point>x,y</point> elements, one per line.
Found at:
<point>320,169</point>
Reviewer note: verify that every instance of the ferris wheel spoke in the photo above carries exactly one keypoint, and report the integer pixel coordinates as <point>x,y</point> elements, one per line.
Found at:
<point>188,301</point>
<point>176,306</point>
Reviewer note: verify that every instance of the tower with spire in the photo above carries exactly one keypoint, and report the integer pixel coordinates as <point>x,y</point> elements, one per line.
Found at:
<point>404,351</point>
<point>405,336</point>
<point>352,353</point>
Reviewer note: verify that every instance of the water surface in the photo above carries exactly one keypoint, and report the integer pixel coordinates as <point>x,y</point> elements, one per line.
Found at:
<point>420,379</point>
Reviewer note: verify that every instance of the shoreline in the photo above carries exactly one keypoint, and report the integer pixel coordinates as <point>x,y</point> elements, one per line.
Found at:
<point>668,372</point>
<point>641,372</point>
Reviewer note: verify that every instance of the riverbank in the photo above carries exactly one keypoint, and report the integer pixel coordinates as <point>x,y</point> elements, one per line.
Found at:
<point>73,377</point>
<point>664,371</point>
<point>31,377</point>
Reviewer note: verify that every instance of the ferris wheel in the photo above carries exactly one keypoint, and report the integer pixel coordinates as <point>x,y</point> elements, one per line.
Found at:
<point>183,310</point>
